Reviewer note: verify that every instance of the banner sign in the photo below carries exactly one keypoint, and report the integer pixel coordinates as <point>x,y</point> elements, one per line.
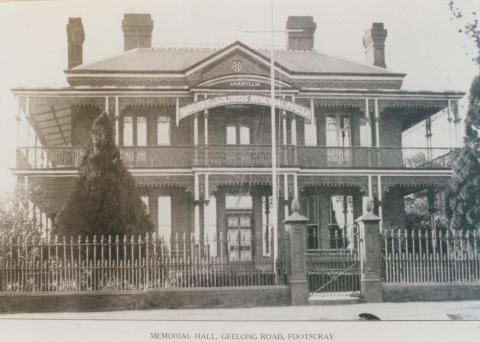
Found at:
<point>220,101</point>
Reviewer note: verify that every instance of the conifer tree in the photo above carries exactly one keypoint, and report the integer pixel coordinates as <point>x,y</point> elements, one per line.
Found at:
<point>464,192</point>
<point>105,200</point>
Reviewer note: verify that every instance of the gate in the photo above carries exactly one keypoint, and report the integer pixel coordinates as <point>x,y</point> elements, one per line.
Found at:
<point>333,272</point>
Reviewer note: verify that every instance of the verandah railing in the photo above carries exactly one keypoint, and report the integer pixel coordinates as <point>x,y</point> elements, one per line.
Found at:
<point>134,263</point>
<point>247,156</point>
<point>420,256</point>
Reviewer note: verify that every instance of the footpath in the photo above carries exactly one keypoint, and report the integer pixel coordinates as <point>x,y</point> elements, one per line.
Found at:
<point>414,311</point>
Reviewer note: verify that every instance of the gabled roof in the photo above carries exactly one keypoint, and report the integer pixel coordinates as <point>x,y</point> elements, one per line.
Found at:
<point>180,60</point>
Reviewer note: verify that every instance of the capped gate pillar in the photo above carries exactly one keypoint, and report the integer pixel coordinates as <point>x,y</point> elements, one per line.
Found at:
<point>296,226</point>
<point>370,270</point>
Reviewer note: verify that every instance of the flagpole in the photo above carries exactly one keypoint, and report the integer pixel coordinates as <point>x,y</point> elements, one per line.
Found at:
<point>274,147</point>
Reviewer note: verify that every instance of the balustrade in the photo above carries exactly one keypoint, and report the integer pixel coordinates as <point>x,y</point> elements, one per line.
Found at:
<point>176,156</point>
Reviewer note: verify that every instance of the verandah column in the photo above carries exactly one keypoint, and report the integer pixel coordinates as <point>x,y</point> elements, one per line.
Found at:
<point>380,199</point>
<point>205,134</point>
<point>117,121</point>
<point>428,136</point>
<point>196,203</point>
<point>377,124</point>
<point>293,136</point>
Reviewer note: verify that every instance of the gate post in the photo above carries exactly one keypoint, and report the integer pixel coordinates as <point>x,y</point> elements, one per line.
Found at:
<point>369,249</point>
<point>296,227</point>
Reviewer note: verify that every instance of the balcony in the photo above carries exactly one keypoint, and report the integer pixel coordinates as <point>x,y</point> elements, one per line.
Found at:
<point>29,158</point>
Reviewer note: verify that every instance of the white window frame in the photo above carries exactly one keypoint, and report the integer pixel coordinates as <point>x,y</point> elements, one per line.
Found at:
<point>231,135</point>
<point>310,133</point>
<point>164,119</point>
<point>244,133</point>
<point>128,130</point>
<point>142,126</point>
<point>338,130</point>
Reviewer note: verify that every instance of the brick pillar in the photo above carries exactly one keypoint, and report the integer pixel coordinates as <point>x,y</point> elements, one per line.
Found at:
<point>371,282</point>
<point>296,226</point>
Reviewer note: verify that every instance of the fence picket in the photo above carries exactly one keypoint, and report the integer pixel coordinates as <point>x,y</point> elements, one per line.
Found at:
<point>420,256</point>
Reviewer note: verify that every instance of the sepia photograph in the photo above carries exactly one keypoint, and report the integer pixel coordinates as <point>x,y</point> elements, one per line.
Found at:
<point>268,170</point>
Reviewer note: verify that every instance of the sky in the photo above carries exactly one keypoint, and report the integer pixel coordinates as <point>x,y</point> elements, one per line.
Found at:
<point>423,41</point>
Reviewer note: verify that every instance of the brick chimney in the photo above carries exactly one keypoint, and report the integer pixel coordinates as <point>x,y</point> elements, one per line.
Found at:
<point>137,31</point>
<point>374,43</point>
<point>304,39</point>
<point>75,37</point>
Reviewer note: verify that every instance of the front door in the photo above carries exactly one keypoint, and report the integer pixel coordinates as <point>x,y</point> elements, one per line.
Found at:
<point>239,236</point>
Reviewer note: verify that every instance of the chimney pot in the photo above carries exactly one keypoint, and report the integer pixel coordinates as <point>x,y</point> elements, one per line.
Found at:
<point>137,31</point>
<point>75,38</point>
<point>304,39</point>
<point>374,43</point>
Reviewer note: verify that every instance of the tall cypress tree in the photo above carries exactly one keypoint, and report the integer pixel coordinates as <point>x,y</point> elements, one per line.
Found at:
<point>105,200</point>
<point>464,192</point>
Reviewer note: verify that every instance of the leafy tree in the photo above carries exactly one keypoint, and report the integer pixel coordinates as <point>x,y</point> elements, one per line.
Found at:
<point>464,195</point>
<point>15,221</point>
<point>464,191</point>
<point>105,200</point>
<point>470,26</point>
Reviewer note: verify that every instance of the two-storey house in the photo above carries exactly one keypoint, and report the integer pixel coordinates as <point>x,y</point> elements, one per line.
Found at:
<point>193,126</point>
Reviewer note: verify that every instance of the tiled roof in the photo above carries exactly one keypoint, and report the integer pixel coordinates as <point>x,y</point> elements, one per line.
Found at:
<point>153,59</point>
<point>180,59</point>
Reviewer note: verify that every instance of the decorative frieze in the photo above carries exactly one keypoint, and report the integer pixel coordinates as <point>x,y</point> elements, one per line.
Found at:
<point>334,181</point>
<point>389,182</point>
<point>434,105</point>
<point>237,180</point>
<point>125,102</point>
<point>164,181</point>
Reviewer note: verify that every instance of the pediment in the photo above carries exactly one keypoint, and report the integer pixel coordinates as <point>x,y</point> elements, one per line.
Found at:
<point>237,63</point>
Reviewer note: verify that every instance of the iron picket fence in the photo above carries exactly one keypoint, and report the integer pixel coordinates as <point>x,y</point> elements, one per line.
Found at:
<point>428,256</point>
<point>135,263</point>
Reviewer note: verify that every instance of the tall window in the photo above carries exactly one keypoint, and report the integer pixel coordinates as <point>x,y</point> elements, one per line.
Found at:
<point>231,135</point>
<point>338,134</point>
<point>341,221</point>
<point>137,124</point>
<point>365,132</point>
<point>128,131</point>
<point>338,130</point>
<point>163,130</point>
<point>239,227</point>
<point>165,217</point>
<point>242,132</point>
<point>244,135</point>
<point>312,210</point>
<point>310,133</point>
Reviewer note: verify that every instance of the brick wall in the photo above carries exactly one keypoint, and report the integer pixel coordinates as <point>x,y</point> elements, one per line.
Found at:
<point>220,297</point>
<point>430,292</point>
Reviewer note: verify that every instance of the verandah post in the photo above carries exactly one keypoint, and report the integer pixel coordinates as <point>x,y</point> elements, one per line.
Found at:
<point>296,226</point>
<point>370,253</point>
